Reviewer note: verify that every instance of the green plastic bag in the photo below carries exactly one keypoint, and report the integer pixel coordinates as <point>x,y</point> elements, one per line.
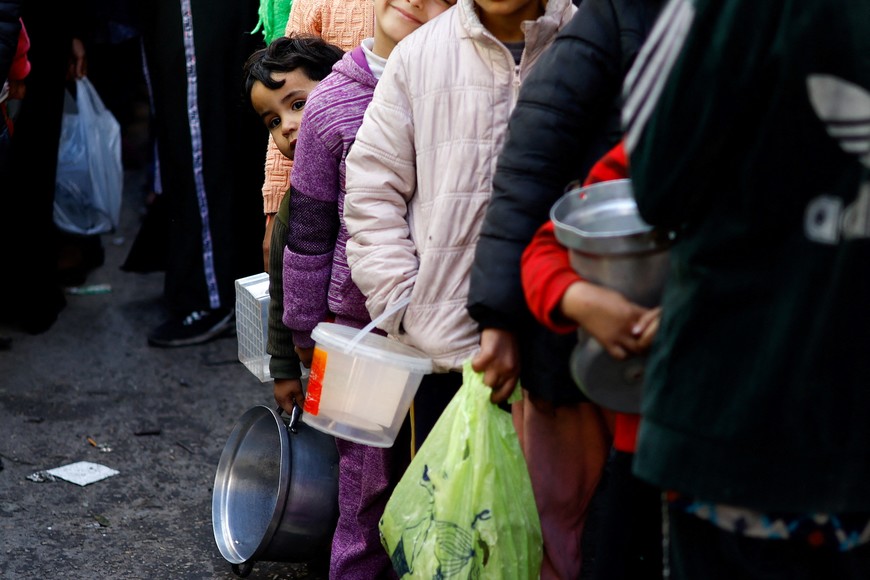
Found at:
<point>464,508</point>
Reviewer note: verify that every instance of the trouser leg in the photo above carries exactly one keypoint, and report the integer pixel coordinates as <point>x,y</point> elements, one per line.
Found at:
<point>565,449</point>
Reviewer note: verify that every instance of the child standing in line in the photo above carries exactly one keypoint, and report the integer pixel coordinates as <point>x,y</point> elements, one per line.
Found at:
<point>317,282</point>
<point>419,177</point>
<point>278,81</point>
<point>629,538</point>
<point>344,23</point>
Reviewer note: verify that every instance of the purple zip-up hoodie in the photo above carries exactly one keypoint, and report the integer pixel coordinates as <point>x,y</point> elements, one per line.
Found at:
<point>317,278</point>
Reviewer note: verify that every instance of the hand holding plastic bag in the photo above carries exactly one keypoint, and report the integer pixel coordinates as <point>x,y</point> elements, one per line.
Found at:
<point>464,508</point>
<point>90,176</point>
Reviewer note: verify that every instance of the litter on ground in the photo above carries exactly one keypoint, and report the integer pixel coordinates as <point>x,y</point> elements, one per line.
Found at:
<point>81,473</point>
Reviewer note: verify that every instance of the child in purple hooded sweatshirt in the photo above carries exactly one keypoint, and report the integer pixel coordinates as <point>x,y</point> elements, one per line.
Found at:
<point>316,277</point>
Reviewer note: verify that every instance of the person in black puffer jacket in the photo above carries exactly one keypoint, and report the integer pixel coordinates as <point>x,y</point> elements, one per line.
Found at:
<point>566,118</point>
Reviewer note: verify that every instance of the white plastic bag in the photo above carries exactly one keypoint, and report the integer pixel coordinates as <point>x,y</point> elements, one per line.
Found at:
<point>90,177</point>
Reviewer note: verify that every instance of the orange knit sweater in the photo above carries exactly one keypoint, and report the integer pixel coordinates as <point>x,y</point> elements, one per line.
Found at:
<point>345,23</point>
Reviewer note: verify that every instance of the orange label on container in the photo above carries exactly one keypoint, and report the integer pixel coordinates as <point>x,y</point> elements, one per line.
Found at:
<point>315,382</point>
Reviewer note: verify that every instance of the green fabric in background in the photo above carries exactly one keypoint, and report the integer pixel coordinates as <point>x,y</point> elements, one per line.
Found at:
<point>273,18</point>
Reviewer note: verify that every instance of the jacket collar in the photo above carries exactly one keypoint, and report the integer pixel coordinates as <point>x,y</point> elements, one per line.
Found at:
<point>555,16</point>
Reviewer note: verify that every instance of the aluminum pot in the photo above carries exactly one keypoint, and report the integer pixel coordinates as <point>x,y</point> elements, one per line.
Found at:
<point>275,492</point>
<point>610,244</point>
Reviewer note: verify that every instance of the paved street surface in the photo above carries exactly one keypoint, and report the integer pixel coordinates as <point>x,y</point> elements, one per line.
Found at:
<point>90,389</point>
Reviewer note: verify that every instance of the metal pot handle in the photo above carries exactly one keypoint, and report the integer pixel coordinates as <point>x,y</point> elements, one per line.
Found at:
<point>293,425</point>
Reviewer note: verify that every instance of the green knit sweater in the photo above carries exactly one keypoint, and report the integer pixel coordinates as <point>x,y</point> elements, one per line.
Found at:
<point>284,362</point>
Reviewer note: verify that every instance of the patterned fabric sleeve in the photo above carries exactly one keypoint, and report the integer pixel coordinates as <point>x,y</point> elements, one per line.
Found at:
<point>277,181</point>
<point>306,17</point>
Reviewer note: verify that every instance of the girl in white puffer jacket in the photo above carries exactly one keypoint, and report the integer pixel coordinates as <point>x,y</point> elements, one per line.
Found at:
<point>419,179</point>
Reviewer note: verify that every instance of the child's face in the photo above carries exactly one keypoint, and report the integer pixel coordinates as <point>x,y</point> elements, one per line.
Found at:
<point>396,19</point>
<point>281,109</point>
<point>504,18</point>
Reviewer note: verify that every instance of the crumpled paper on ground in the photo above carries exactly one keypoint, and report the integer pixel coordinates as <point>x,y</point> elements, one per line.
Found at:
<point>81,473</point>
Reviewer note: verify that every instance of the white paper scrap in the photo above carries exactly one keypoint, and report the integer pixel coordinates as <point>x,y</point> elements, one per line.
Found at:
<point>83,472</point>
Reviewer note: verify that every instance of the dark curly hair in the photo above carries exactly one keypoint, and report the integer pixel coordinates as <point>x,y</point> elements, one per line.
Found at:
<point>310,53</point>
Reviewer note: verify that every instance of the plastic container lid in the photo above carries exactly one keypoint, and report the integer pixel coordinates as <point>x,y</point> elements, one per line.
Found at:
<point>373,347</point>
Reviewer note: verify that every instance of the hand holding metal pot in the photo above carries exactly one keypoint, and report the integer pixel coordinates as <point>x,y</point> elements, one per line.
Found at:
<point>607,316</point>
<point>624,263</point>
<point>646,328</point>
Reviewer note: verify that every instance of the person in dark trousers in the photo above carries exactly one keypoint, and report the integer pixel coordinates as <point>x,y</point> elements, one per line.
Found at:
<point>748,132</point>
<point>210,148</point>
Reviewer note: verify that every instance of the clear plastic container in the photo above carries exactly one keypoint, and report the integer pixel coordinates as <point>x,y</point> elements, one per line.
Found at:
<point>252,323</point>
<point>362,393</point>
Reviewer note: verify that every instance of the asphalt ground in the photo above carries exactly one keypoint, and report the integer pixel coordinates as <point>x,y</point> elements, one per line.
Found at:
<point>91,389</point>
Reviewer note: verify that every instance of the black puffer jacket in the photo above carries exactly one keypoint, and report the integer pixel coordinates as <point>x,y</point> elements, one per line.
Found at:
<point>567,117</point>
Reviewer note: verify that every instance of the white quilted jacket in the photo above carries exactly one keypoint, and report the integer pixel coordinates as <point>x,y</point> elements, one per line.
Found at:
<point>419,175</point>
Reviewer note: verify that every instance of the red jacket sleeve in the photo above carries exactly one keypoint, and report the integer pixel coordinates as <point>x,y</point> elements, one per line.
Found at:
<point>546,267</point>
<point>546,273</point>
<point>614,165</point>
<point>21,64</point>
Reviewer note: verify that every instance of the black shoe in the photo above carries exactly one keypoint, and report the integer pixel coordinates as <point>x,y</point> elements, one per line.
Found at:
<point>198,327</point>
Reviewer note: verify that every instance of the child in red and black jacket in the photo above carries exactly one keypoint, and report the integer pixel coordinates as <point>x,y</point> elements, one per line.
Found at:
<point>629,541</point>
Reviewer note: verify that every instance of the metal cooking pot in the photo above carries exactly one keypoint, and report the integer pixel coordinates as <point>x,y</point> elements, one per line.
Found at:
<point>610,244</point>
<point>275,492</point>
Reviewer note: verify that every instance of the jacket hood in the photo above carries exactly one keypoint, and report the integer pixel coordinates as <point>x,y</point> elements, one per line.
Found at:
<point>349,66</point>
